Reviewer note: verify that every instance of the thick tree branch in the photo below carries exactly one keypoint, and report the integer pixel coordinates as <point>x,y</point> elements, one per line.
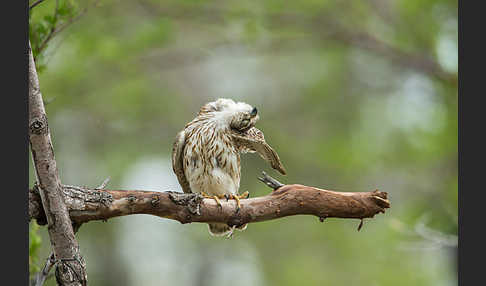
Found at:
<point>70,266</point>
<point>92,204</point>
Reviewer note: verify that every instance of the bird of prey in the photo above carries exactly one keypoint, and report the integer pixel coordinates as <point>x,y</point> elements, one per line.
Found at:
<point>206,153</point>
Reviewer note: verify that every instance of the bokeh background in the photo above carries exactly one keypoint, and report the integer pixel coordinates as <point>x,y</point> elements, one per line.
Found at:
<point>354,96</point>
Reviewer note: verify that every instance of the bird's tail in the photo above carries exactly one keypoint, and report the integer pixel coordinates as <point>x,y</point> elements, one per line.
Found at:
<point>220,229</point>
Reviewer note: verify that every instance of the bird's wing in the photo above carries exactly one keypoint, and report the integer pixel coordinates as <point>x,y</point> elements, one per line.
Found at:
<point>254,140</point>
<point>178,161</point>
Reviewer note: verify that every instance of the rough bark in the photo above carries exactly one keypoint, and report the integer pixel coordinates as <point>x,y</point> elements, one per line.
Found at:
<point>70,265</point>
<point>286,200</point>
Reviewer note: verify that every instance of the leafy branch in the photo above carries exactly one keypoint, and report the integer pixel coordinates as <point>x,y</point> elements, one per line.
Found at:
<point>41,32</point>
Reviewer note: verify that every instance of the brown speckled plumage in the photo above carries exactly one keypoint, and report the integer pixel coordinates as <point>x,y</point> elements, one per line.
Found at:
<point>206,153</point>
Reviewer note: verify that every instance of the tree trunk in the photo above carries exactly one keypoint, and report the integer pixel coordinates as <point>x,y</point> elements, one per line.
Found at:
<point>70,265</point>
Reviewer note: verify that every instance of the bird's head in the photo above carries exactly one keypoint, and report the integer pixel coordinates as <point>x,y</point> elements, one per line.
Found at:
<point>239,116</point>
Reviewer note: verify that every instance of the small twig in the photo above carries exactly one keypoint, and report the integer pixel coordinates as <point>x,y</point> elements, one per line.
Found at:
<point>57,29</point>
<point>35,4</point>
<point>103,185</point>
<point>269,181</point>
<point>42,275</point>
<point>52,31</point>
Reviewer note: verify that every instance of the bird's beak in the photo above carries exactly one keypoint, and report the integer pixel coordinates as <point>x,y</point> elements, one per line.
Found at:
<point>254,112</point>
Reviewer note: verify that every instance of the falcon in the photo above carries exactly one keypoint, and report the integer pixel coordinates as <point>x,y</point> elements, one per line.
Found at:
<point>206,153</point>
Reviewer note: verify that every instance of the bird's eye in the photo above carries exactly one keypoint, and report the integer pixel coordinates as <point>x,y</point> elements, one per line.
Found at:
<point>245,122</point>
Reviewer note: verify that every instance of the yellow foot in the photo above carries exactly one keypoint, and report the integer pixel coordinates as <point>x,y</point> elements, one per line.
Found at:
<point>245,195</point>
<point>216,198</point>
<point>218,201</point>
<point>237,198</point>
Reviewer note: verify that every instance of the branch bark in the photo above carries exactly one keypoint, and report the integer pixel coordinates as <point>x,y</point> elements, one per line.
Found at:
<point>70,265</point>
<point>93,204</point>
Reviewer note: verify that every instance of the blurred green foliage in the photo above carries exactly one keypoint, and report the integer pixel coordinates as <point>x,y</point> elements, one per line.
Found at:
<point>44,26</point>
<point>35,242</point>
<point>354,96</point>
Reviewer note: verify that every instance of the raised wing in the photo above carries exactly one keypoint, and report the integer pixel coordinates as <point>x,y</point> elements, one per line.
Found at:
<point>178,161</point>
<point>254,140</point>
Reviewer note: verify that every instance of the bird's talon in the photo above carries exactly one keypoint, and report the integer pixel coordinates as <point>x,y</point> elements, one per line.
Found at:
<point>218,202</point>
<point>245,195</point>
<point>238,205</point>
<point>206,195</point>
